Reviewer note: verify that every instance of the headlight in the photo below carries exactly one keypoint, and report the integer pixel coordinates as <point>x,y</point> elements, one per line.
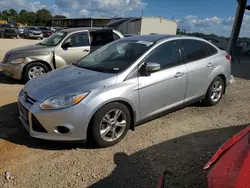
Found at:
<point>18,61</point>
<point>59,102</point>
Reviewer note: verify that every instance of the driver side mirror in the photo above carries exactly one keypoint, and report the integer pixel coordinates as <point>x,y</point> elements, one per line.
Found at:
<point>149,67</point>
<point>66,45</point>
<point>152,67</point>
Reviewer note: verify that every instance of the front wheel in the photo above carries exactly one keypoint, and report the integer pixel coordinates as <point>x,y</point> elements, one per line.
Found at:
<point>110,124</point>
<point>215,92</point>
<point>33,70</point>
<point>1,35</point>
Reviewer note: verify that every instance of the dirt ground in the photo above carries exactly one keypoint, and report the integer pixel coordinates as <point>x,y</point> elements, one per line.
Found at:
<point>180,142</point>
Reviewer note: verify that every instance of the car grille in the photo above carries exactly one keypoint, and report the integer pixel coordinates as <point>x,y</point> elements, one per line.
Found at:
<point>6,57</point>
<point>24,113</point>
<point>36,125</point>
<point>27,98</point>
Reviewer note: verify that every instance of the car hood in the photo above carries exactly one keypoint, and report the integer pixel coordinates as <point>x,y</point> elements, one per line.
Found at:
<point>31,49</point>
<point>67,80</point>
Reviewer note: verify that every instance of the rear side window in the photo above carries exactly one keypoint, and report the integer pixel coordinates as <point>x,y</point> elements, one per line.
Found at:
<point>194,50</point>
<point>212,50</point>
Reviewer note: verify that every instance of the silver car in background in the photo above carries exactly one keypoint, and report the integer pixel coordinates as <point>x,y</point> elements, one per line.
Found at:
<point>62,48</point>
<point>123,84</point>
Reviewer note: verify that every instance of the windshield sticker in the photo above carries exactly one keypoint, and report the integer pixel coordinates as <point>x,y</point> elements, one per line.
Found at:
<point>116,69</point>
<point>144,42</point>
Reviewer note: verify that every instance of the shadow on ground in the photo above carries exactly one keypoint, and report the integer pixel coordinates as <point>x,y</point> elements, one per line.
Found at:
<point>12,130</point>
<point>241,69</point>
<point>6,80</point>
<point>182,157</point>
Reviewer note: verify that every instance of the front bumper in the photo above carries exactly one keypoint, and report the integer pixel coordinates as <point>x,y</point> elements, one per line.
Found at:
<point>13,71</point>
<point>73,118</point>
<point>35,36</point>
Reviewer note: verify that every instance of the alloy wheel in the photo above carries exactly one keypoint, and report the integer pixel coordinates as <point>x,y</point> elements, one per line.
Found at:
<point>216,91</point>
<point>113,125</point>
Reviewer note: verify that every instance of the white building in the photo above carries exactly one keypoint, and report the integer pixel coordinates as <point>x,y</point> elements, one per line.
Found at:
<point>144,25</point>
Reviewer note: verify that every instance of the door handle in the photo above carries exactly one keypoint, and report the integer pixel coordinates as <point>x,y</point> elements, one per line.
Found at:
<point>179,74</point>
<point>209,65</point>
<point>85,50</point>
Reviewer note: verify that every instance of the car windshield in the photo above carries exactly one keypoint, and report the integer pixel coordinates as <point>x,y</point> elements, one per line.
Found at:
<point>54,39</point>
<point>33,29</point>
<point>114,57</point>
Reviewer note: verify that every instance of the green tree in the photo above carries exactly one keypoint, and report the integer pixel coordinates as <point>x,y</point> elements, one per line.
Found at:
<point>32,18</point>
<point>60,16</point>
<point>23,16</point>
<point>43,16</point>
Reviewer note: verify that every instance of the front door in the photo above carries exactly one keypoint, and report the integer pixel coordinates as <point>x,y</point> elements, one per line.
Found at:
<point>79,48</point>
<point>165,88</point>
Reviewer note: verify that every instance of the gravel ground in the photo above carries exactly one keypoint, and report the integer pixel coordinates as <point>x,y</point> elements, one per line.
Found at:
<point>180,142</point>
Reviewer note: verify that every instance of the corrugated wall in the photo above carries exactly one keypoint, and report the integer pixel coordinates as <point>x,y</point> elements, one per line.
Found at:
<point>158,25</point>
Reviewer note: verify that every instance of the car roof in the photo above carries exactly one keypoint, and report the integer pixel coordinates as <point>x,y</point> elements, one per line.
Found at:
<point>71,30</point>
<point>158,37</point>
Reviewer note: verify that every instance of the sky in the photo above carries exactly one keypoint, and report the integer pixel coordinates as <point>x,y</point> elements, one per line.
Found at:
<point>207,16</point>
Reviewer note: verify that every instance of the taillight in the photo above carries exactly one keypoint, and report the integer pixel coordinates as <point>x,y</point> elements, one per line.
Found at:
<point>229,58</point>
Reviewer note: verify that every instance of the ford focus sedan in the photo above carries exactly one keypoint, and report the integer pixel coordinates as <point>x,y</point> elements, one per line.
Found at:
<point>122,84</point>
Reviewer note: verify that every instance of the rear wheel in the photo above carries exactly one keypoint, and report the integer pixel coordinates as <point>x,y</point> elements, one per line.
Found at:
<point>215,92</point>
<point>1,35</point>
<point>110,124</point>
<point>33,70</point>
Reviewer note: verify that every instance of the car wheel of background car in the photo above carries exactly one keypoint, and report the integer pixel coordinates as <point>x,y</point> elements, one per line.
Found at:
<point>33,70</point>
<point>17,36</point>
<point>215,92</point>
<point>2,35</point>
<point>109,125</point>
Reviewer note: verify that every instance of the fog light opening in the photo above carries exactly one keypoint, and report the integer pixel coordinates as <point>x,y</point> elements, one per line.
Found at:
<point>62,130</point>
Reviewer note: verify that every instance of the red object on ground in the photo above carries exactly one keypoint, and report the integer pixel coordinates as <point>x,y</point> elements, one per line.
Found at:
<point>231,163</point>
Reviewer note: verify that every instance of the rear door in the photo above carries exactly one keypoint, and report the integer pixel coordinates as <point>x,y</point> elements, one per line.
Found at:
<point>80,48</point>
<point>200,64</point>
<point>101,37</point>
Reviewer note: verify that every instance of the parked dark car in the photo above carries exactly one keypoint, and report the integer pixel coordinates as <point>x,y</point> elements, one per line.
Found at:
<point>8,30</point>
<point>222,44</point>
<point>46,31</point>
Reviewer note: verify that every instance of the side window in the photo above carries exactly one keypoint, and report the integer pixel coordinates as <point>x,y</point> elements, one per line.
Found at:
<point>115,36</point>
<point>78,40</point>
<point>167,54</point>
<point>212,50</point>
<point>194,50</point>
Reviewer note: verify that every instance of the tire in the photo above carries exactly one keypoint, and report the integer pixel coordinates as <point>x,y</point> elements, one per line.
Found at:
<point>94,133</point>
<point>209,101</point>
<point>2,35</point>
<point>39,69</point>
<point>17,36</point>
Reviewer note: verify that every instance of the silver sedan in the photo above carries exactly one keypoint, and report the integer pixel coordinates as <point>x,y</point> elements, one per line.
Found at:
<point>122,84</point>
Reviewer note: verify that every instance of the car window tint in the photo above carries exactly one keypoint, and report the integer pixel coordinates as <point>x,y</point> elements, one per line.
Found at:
<point>79,40</point>
<point>167,54</point>
<point>194,50</point>
<point>212,50</point>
